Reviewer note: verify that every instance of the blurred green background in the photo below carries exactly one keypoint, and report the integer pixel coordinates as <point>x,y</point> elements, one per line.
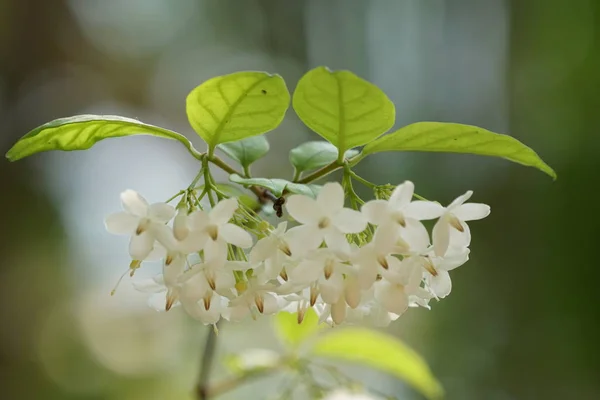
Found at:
<point>523,320</point>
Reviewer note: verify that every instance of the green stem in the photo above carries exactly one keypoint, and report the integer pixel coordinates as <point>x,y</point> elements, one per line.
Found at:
<point>297,175</point>
<point>355,200</point>
<point>206,364</point>
<point>259,192</point>
<point>223,165</point>
<point>361,180</point>
<point>246,171</point>
<point>326,170</point>
<point>208,185</point>
<point>175,196</point>
<point>199,175</point>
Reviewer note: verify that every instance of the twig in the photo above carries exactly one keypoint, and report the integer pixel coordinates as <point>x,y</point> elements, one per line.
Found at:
<point>206,364</point>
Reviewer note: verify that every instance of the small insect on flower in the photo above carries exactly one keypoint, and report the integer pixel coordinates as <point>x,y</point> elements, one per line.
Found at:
<point>278,206</point>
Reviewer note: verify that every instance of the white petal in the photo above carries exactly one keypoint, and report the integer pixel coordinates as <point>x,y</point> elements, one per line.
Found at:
<point>223,211</point>
<point>349,221</point>
<point>471,211</point>
<point>402,195</point>
<point>236,312</point>
<point>331,289</point>
<point>441,284</point>
<point>280,230</point>
<point>140,246</point>
<point>376,211</point>
<point>391,297</point>
<point>331,198</point>
<point>198,220</point>
<point>460,199</point>
<point>367,274</point>
<point>150,285</point>
<point>195,288</point>
<point>423,210</point>
<point>415,235</point>
<point>460,239</point>
<point>235,235</point>
<point>197,311</point>
<point>224,280</point>
<point>231,266</point>
<point>134,203</point>
<point>307,271</point>
<point>164,235</point>
<point>303,209</point>
<point>352,292</point>
<point>441,237</point>
<point>304,238</point>
<point>337,241</point>
<point>454,258</point>
<point>385,238</point>
<point>158,301</point>
<point>161,212</point>
<point>263,249</point>
<point>338,311</point>
<point>121,223</point>
<point>215,251</point>
<point>270,304</point>
<point>172,272</point>
<point>158,252</point>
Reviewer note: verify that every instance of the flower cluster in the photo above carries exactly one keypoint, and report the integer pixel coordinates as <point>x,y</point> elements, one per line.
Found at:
<point>348,265</point>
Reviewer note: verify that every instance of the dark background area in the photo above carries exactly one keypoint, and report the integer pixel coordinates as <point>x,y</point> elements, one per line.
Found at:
<point>522,321</point>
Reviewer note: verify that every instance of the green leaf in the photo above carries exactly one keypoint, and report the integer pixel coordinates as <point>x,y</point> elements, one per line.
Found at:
<point>236,106</point>
<point>343,108</point>
<point>83,131</point>
<point>316,154</point>
<point>293,333</point>
<point>246,151</point>
<point>379,351</point>
<point>277,186</point>
<point>457,138</point>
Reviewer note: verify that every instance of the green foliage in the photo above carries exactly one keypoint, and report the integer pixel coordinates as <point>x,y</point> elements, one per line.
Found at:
<point>457,138</point>
<point>380,351</point>
<point>293,333</point>
<point>236,106</point>
<point>343,108</point>
<point>246,151</point>
<point>277,186</point>
<point>316,154</point>
<point>83,131</point>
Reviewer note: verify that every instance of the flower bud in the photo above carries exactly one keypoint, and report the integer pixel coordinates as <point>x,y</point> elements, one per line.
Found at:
<point>180,226</point>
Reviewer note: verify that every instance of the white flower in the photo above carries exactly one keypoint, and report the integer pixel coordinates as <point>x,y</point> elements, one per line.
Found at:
<point>323,219</point>
<point>274,251</point>
<point>140,220</point>
<point>372,257</point>
<point>399,207</point>
<point>370,311</point>
<point>326,270</point>
<point>198,292</point>
<point>213,231</point>
<point>164,287</point>
<point>255,297</point>
<point>398,283</point>
<point>452,223</point>
<point>437,276</point>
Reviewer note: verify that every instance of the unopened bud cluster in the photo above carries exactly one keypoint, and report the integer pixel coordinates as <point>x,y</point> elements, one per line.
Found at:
<point>348,265</point>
